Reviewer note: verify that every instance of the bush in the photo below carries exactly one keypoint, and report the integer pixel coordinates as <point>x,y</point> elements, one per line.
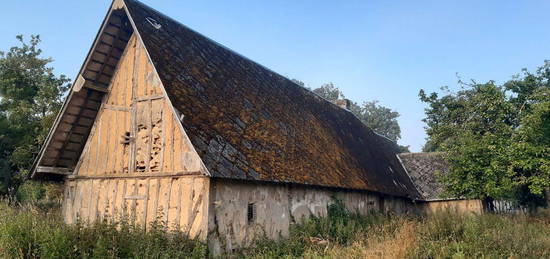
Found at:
<point>41,194</point>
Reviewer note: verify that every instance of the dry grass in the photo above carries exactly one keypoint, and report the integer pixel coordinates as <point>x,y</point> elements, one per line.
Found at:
<point>442,235</point>
<point>393,240</point>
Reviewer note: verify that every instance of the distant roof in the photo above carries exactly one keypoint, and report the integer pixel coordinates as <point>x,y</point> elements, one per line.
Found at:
<point>248,122</point>
<point>424,170</point>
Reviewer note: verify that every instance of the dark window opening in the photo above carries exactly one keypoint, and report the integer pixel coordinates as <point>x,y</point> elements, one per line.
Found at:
<point>251,213</point>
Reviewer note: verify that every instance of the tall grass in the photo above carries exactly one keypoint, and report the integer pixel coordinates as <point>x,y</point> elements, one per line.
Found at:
<point>448,235</point>
<point>442,235</point>
<point>26,231</point>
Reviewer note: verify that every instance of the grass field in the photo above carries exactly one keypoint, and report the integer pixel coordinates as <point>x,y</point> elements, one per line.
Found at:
<point>31,231</point>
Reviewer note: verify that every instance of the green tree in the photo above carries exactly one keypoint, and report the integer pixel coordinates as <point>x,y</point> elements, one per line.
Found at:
<point>30,97</point>
<point>381,119</point>
<point>329,92</point>
<point>496,137</point>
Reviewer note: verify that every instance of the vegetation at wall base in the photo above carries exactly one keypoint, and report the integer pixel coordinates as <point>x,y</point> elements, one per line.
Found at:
<point>27,231</point>
<point>443,235</point>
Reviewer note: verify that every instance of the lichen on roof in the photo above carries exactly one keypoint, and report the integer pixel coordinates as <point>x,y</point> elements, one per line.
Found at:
<point>247,122</point>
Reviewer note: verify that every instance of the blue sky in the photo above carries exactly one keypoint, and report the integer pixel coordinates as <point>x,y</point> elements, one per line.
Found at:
<point>372,50</point>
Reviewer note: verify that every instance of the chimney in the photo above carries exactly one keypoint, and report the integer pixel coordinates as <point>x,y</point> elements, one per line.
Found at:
<point>343,103</point>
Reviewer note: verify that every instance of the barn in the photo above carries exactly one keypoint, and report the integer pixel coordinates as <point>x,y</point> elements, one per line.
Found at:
<point>163,123</point>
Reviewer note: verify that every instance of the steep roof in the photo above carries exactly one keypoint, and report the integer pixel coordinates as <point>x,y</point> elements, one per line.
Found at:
<point>247,122</point>
<point>424,170</point>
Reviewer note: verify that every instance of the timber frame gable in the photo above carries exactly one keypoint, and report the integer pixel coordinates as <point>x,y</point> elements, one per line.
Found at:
<point>94,106</point>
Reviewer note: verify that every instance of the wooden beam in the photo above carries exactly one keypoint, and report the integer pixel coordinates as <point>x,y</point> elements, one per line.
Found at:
<point>116,107</point>
<point>148,98</point>
<point>140,175</point>
<point>96,87</point>
<point>53,170</point>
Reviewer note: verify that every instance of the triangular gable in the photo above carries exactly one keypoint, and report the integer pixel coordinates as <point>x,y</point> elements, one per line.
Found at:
<point>117,97</point>
<point>136,130</point>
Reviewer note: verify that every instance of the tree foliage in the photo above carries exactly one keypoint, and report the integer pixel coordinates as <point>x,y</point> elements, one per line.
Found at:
<point>30,96</point>
<point>381,119</point>
<point>497,137</point>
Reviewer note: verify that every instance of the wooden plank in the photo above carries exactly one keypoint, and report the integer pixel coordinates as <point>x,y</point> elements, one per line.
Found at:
<point>103,155</point>
<point>152,205</point>
<point>150,97</point>
<point>113,89</point>
<point>157,136</point>
<point>53,170</point>
<point>135,72</point>
<point>168,156</point>
<point>96,144</point>
<point>164,199</point>
<point>129,210</point>
<point>155,81</point>
<point>141,204</point>
<point>114,140</point>
<point>85,202</point>
<point>120,203</point>
<point>186,184</point>
<point>139,175</point>
<point>138,75</point>
<point>69,197</point>
<point>129,72</point>
<point>94,196</point>
<point>199,218</point>
<point>178,148</point>
<point>102,200</point>
<point>127,148</point>
<point>142,59</point>
<point>110,201</point>
<point>175,200</point>
<point>148,75</point>
<point>143,125</point>
<point>93,86</point>
<point>77,203</point>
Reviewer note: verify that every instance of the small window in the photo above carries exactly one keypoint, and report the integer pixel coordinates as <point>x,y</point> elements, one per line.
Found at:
<point>251,213</point>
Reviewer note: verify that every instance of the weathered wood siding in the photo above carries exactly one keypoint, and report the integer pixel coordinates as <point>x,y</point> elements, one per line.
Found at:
<point>180,202</point>
<point>136,107</point>
<point>138,162</point>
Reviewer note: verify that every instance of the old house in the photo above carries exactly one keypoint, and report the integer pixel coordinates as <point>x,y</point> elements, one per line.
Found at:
<point>164,123</point>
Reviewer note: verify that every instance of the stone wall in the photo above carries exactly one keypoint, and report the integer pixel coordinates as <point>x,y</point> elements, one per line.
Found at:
<point>277,206</point>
